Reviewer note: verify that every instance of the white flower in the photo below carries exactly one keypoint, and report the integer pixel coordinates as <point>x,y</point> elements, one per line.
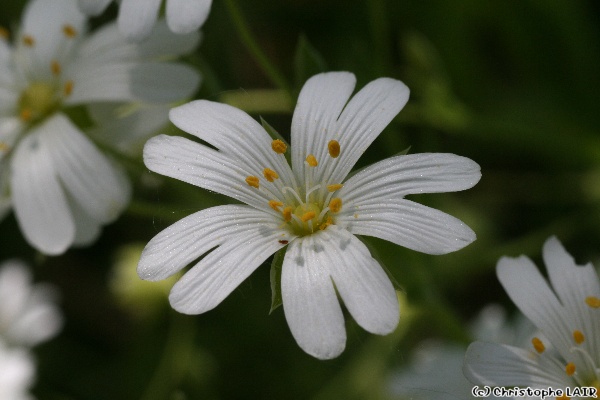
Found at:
<point>137,17</point>
<point>62,188</point>
<point>567,312</point>
<point>17,373</point>
<point>435,371</point>
<point>28,313</point>
<point>308,208</point>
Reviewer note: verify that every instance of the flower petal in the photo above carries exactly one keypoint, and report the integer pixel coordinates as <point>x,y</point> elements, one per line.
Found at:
<point>407,224</point>
<point>184,16</point>
<point>39,202</point>
<point>202,166</point>
<point>108,45</point>
<point>363,119</point>
<point>361,282</point>
<point>87,229</point>
<point>236,135</point>
<point>310,304</point>
<point>130,81</point>
<point>137,17</point>
<point>528,289</point>
<point>503,365</point>
<point>95,184</point>
<point>573,284</point>
<point>314,123</point>
<point>44,21</point>
<point>186,240</point>
<point>210,281</point>
<point>415,173</point>
<point>93,7</point>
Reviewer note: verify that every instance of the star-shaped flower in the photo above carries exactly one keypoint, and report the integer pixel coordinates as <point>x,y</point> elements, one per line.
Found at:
<point>312,208</point>
<point>566,311</point>
<point>61,186</point>
<point>137,17</point>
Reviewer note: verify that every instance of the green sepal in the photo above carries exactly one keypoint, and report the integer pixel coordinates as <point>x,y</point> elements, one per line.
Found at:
<point>276,136</point>
<point>276,268</point>
<point>307,62</point>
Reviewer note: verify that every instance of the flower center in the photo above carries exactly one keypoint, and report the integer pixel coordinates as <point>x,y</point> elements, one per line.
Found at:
<point>37,101</point>
<point>304,209</point>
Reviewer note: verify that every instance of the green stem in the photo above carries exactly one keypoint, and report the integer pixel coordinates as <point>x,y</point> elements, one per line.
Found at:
<point>254,49</point>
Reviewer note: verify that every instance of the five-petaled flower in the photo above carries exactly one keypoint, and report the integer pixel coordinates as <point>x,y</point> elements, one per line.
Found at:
<point>567,312</point>
<point>311,208</point>
<point>60,185</point>
<point>137,17</point>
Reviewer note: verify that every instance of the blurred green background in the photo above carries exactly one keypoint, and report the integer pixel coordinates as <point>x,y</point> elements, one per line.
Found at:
<point>513,85</point>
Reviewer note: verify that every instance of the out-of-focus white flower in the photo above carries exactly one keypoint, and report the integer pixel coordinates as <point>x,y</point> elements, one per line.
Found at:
<point>137,17</point>
<point>62,187</point>
<point>28,312</point>
<point>312,208</point>
<point>17,373</point>
<point>435,372</point>
<point>566,311</point>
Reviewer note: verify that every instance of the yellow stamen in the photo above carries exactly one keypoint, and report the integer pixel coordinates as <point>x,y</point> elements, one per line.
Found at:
<point>3,147</point>
<point>4,34</point>
<point>69,31</point>
<point>538,345</point>
<point>25,115</point>
<point>278,146</point>
<point>326,223</point>
<point>311,160</point>
<point>287,214</point>
<point>28,41</point>
<point>253,181</point>
<point>334,148</point>
<point>333,188</point>
<point>335,205</point>
<point>270,175</point>
<point>308,216</point>
<point>55,68</point>
<point>274,204</point>
<point>578,337</point>
<point>68,89</point>
<point>592,301</point>
<point>570,369</point>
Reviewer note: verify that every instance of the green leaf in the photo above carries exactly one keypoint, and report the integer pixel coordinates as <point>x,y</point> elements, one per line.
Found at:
<point>307,62</point>
<point>276,268</point>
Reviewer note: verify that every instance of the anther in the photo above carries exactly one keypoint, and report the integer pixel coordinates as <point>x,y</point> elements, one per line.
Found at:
<point>287,214</point>
<point>3,147</point>
<point>326,223</point>
<point>592,301</point>
<point>274,204</point>
<point>69,31</point>
<point>578,337</point>
<point>28,41</point>
<point>311,160</point>
<point>333,188</point>
<point>335,205</point>
<point>538,345</point>
<point>270,175</point>
<point>68,89</point>
<point>570,369</point>
<point>55,68</point>
<point>308,216</point>
<point>278,146</point>
<point>334,148</point>
<point>4,34</point>
<point>253,181</point>
<point>25,114</point>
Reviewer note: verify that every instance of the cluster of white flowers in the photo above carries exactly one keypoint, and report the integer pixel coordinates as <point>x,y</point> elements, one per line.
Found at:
<point>28,316</point>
